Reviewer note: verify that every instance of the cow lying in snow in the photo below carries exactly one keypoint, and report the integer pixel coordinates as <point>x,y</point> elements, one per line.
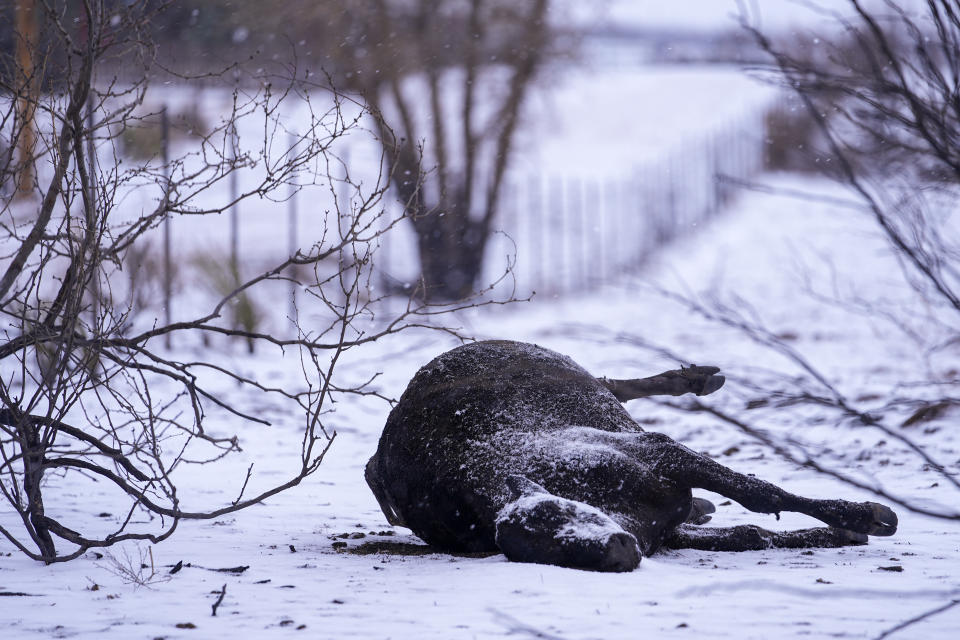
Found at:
<point>508,446</point>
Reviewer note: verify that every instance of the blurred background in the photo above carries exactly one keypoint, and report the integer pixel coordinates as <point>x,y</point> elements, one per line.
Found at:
<point>550,146</point>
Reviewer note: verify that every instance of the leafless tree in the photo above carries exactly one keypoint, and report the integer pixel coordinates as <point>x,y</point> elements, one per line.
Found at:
<point>455,218</point>
<point>449,77</point>
<point>89,397</point>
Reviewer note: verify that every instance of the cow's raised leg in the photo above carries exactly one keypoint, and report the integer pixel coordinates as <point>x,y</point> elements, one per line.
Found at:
<point>693,379</point>
<point>678,463</point>
<point>537,526</point>
<point>752,538</point>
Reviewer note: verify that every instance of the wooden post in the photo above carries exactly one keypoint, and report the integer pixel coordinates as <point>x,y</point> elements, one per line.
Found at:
<point>578,214</point>
<point>234,207</point>
<point>536,230</point>
<point>713,193</point>
<point>234,187</point>
<point>523,230</point>
<point>598,232</point>
<point>609,264</point>
<point>630,215</point>
<point>91,217</point>
<point>167,259</point>
<point>344,210</point>
<point>552,211</point>
<point>560,240</point>
<point>292,234</point>
<point>26,40</point>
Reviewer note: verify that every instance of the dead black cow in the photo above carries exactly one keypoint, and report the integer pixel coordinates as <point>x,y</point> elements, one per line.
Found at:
<point>508,446</point>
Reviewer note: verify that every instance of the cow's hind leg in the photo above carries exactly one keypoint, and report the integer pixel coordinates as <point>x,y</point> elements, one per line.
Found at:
<point>699,380</point>
<point>752,538</point>
<point>537,526</point>
<point>680,464</point>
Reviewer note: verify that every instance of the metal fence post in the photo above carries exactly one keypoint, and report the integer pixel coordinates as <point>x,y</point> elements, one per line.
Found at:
<point>292,231</point>
<point>234,207</point>
<point>167,259</point>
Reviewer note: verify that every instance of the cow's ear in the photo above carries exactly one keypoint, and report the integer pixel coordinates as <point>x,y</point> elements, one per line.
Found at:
<point>521,486</point>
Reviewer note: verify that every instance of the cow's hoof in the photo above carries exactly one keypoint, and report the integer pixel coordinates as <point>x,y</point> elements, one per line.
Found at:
<point>884,520</point>
<point>701,380</point>
<point>711,384</point>
<point>700,508</point>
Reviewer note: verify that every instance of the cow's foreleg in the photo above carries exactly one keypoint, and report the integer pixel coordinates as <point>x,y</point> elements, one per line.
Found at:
<point>678,463</point>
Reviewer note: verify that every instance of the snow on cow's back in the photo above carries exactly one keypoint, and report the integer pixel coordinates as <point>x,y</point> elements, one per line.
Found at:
<point>484,388</point>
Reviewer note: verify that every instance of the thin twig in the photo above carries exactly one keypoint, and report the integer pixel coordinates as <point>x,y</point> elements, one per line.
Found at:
<point>923,616</point>
<point>223,592</point>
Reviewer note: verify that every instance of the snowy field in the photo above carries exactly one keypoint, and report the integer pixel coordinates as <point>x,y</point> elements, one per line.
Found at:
<point>599,121</point>
<point>302,577</point>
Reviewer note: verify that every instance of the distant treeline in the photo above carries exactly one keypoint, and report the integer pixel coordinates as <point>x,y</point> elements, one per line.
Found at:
<point>344,39</point>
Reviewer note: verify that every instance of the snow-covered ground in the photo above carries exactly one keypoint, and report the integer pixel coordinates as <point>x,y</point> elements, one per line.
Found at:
<point>611,122</point>
<point>768,250</point>
<point>298,582</point>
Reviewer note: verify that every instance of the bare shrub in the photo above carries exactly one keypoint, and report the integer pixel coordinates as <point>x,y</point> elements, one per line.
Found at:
<point>92,407</point>
<point>881,95</point>
<point>136,569</point>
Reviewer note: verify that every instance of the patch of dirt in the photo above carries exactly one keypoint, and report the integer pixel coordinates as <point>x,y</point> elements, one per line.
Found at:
<point>409,549</point>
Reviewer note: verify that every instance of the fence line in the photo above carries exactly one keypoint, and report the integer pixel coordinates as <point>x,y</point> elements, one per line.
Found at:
<point>575,232</point>
<point>567,233</point>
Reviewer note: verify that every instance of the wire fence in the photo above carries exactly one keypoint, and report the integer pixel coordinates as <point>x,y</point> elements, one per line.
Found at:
<point>570,233</point>
<point>557,233</point>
